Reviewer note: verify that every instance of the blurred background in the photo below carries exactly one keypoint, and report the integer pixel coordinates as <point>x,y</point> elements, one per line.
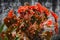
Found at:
<point>52,5</point>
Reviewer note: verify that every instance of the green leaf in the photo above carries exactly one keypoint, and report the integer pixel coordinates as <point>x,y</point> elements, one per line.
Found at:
<point>6,38</point>
<point>0,39</point>
<point>1,27</point>
<point>16,38</point>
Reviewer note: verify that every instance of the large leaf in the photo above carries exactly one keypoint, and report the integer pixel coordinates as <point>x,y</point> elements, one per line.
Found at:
<point>1,27</point>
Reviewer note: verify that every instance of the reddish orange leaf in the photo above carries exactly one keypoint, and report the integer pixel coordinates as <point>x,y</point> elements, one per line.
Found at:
<point>49,22</point>
<point>10,13</point>
<point>54,15</point>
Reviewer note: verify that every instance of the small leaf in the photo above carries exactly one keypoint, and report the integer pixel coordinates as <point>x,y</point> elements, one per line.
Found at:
<point>6,38</point>
<point>1,27</point>
<point>16,38</point>
<point>0,39</point>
